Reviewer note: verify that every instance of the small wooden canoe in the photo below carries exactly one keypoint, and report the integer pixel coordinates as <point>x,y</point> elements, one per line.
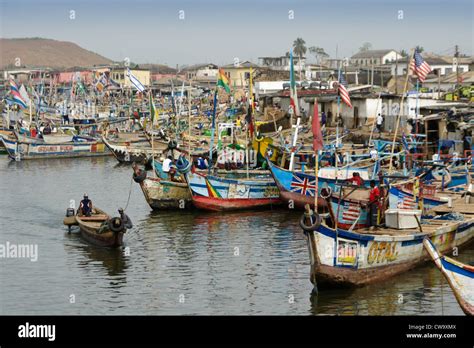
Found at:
<point>460,277</point>
<point>99,228</point>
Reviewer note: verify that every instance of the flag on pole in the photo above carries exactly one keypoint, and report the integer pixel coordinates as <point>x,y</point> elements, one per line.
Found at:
<point>223,81</point>
<point>101,82</point>
<point>16,96</point>
<point>153,112</point>
<point>24,94</point>
<point>343,91</point>
<point>135,82</point>
<point>419,67</point>
<point>293,95</point>
<point>317,135</point>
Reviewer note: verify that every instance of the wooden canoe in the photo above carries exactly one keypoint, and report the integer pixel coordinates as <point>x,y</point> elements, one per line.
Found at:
<point>460,277</point>
<point>97,228</point>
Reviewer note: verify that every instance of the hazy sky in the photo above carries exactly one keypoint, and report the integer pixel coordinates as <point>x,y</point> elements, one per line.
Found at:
<point>219,30</point>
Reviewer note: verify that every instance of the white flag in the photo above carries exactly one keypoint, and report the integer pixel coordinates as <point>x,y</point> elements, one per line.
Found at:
<point>135,82</point>
<point>24,94</point>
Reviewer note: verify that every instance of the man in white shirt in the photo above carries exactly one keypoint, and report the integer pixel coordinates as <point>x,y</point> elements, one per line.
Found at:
<point>379,123</point>
<point>374,154</point>
<point>167,164</point>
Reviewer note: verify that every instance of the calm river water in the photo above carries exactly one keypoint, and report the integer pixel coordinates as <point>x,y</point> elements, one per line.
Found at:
<point>185,262</point>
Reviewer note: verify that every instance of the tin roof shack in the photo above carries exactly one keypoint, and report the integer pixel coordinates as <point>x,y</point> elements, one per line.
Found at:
<point>448,121</point>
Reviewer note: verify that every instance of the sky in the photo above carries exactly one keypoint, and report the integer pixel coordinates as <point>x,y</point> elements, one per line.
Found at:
<point>196,31</point>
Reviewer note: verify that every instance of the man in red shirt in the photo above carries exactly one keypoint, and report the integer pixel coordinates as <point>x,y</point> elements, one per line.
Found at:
<point>373,203</point>
<point>356,179</point>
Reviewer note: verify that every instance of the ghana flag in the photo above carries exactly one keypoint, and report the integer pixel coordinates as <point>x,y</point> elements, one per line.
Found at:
<point>223,80</point>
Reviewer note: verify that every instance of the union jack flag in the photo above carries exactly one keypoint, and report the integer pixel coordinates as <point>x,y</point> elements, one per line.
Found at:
<point>350,211</point>
<point>303,185</point>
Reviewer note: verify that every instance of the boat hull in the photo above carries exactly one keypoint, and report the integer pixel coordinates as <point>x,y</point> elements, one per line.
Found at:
<point>351,259</point>
<point>161,194</point>
<point>20,151</point>
<point>459,276</point>
<point>219,193</point>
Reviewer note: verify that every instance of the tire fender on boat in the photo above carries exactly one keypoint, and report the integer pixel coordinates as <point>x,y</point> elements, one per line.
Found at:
<point>139,176</point>
<point>312,227</point>
<point>172,144</point>
<point>115,224</point>
<point>326,192</point>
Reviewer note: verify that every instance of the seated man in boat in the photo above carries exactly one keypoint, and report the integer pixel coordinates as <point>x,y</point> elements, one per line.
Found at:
<point>202,163</point>
<point>373,204</point>
<point>167,165</point>
<point>127,222</point>
<point>85,207</point>
<point>356,179</point>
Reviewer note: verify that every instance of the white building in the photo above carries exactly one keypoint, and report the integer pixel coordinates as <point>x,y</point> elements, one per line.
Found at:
<point>445,67</point>
<point>374,57</point>
<point>282,63</point>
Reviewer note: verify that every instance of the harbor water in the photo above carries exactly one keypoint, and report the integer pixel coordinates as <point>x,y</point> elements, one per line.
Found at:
<point>178,262</point>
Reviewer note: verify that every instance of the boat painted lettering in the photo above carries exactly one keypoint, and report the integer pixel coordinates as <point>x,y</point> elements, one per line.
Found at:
<point>380,252</point>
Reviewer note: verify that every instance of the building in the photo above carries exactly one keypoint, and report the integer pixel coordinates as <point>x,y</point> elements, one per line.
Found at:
<point>443,65</point>
<point>119,75</point>
<point>201,73</point>
<point>239,74</point>
<point>282,63</point>
<point>315,72</point>
<point>374,57</point>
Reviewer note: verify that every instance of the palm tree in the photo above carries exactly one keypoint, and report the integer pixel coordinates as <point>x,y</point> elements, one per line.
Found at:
<point>419,49</point>
<point>403,53</point>
<point>299,49</point>
<point>365,47</point>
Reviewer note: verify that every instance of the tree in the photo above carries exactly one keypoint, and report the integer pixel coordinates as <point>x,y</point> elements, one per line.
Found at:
<point>365,47</point>
<point>419,49</point>
<point>403,53</point>
<point>318,53</point>
<point>299,47</point>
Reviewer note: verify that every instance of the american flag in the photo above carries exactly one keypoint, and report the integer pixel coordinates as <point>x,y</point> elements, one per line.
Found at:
<point>406,202</point>
<point>350,211</point>
<point>343,91</point>
<point>419,67</point>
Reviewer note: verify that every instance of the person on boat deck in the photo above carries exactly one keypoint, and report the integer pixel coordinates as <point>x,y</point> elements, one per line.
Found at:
<point>373,203</point>
<point>356,179</point>
<point>127,222</point>
<point>373,154</point>
<point>47,129</point>
<point>86,206</point>
<point>202,163</point>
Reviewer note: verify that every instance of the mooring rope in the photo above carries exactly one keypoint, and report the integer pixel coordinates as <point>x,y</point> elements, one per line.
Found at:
<point>129,194</point>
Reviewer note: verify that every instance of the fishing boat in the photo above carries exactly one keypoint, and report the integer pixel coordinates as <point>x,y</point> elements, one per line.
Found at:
<point>349,206</point>
<point>80,147</point>
<point>99,229</point>
<point>134,153</point>
<point>401,198</point>
<point>161,193</point>
<point>234,191</point>
<point>299,188</point>
<point>460,277</point>
<point>343,258</point>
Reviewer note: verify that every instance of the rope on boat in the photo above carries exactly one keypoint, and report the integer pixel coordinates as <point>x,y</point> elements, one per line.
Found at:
<point>129,194</point>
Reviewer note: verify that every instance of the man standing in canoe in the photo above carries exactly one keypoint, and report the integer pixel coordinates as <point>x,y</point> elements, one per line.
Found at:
<point>86,206</point>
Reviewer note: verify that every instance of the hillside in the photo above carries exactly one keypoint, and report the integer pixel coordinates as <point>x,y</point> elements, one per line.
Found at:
<point>38,52</point>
